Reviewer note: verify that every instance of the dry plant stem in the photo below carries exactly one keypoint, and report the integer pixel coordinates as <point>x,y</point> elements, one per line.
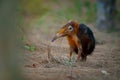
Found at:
<point>49,51</point>
<point>49,55</point>
<point>71,72</point>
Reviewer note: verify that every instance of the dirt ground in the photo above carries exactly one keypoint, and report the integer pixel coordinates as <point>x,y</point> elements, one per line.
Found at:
<point>103,64</point>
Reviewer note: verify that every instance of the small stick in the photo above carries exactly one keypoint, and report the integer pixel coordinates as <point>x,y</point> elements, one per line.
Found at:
<point>49,51</point>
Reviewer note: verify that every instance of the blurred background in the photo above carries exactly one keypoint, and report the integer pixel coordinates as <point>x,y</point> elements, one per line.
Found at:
<point>27,26</point>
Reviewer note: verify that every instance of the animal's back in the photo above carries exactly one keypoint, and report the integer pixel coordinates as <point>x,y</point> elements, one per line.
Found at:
<point>86,38</point>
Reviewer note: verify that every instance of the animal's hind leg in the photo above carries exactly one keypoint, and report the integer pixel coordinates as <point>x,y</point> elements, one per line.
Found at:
<point>79,54</point>
<point>83,57</point>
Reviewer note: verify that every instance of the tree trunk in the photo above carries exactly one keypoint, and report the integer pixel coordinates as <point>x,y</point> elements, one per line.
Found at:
<point>106,14</point>
<point>10,61</point>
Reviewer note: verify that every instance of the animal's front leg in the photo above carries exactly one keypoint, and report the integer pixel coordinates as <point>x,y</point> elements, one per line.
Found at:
<point>79,54</point>
<point>71,51</point>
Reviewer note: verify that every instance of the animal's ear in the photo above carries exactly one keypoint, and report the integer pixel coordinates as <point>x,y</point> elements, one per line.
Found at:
<point>76,24</point>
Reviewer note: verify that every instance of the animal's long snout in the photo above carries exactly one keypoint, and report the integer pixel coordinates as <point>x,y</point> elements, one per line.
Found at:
<point>56,37</point>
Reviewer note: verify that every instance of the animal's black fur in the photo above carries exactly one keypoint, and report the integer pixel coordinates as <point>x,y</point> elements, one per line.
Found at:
<point>87,41</point>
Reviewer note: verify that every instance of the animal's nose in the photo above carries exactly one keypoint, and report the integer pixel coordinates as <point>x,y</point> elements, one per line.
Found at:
<point>54,38</point>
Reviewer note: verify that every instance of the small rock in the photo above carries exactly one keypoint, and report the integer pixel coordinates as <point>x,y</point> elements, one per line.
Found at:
<point>34,65</point>
<point>104,72</point>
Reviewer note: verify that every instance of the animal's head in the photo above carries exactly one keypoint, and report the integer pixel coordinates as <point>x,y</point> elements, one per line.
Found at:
<point>67,30</point>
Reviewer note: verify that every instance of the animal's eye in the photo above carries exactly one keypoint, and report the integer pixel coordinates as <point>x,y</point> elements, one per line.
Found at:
<point>70,28</point>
